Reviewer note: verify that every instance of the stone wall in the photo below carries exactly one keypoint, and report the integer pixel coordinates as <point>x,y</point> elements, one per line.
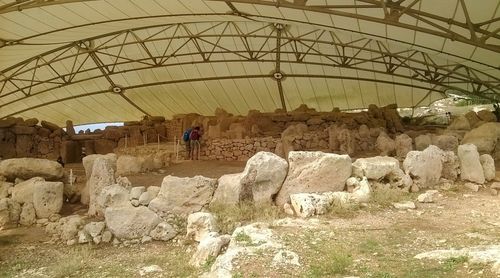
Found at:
<point>237,149</point>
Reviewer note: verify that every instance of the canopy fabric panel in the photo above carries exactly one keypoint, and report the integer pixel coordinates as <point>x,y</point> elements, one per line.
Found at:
<point>100,61</point>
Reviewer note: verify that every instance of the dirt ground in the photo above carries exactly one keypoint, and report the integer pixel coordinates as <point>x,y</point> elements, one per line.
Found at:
<point>372,241</point>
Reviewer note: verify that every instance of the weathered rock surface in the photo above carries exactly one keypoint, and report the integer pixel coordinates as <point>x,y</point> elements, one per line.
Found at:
<point>183,196</point>
<point>113,196</point>
<point>484,137</point>
<point>23,191</point>
<point>404,144</point>
<point>385,144</point>
<point>102,175</point>
<point>200,224</point>
<point>210,246</point>
<point>312,172</point>
<point>27,168</point>
<point>428,197</point>
<point>28,215</point>
<point>425,166</point>
<point>470,164</point>
<point>130,222</point>
<point>48,198</point>
<point>375,168</point>
<point>163,231</point>
<point>488,164</point>
<point>261,179</point>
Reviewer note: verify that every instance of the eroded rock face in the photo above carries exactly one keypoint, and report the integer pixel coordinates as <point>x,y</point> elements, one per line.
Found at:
<point>470,165</point>
<point>313,172</point>
<point>375,168</point>
<point>183,196</point>
<point>163,232</point>
<point>27,168</point>
<point>48,198</point>
<point>210,247</point>
<point>385,144</point>
<point>200,224</point>
<point>103,175</point>
<point>425,166</point>
<point>258,183</point>
<point>113,196</point>
<point>130,222</point>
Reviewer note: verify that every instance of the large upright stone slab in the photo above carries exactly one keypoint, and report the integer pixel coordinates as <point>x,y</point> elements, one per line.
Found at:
<point>470,164</point>
<point>27,168</point>
<point>425,166</point>
<point>103,175</point>
<point>258,183</point>
<point>314,172</point>
<point>183,196</point>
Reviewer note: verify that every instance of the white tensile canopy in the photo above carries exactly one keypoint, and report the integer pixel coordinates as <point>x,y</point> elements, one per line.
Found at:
<point>114,60</point>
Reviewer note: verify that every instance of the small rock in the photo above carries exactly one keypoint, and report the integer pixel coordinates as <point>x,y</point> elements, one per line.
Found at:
<point>150,269</point>
<point>285,257</point>
<point>97,239</point>
<point>146,239</point>
<point>163,231</point>
<point>135,202</point>
<point>83,237</point>
<point>493,192</point>
<point>495,185</point>
<point>71,242</point>
<point>428,197</point>
<point>136,192</point>
<point>404,205</point>
<point>106,236</point>
<point>54,217</point>
<point>474,187</point>
<point>199,224</point>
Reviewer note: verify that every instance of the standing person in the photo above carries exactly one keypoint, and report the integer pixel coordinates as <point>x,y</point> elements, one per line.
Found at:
<point>194,137</point>
<point>187,143</point>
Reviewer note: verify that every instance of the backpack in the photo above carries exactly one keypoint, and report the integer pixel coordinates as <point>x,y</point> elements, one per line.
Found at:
<point>195,135</point>
<point>186,134</point>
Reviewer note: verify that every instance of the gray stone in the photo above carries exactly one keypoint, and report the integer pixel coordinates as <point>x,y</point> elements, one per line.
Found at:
<point>27,168</point>
<point>210,247</point>
<point>312,172</point>
<point>48,198</point>
<point>130,222</point>
<point>102,175</point>
<point>163,231</point>
<point>183,196</point>
<point>470,165</point>
<point>404,205</point>
<point>136,192</point>
<point>200,224</point>
<point>94,228</point>
<point>488,164</point>
<point>425,166</point>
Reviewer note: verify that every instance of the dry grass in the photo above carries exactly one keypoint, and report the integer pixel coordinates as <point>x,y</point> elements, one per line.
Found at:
<point>231,217</point>
<point>385,197</point>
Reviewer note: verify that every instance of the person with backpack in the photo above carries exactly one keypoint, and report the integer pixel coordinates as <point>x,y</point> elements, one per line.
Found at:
<point>187,142</point>
<point>194,139</point>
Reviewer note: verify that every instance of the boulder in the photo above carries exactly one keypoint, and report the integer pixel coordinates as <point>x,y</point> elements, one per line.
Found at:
<point>127,164</point>
<point>484,137</point>
<point>69,226</point>
<point>312,172</point>
<point>425,166</point>
<point>23,191</point>
<point>310,204</point>
<point>199,224</point>
<point>130,222</point>
<point>451,166</point>
<point>375,168</point>
<point>102,175</point>
<point>48,198</point>
<point>404,144</point>
<point>460,123</point>
<point>422,142</point>
<point>385,145</point>
<point>163,232</point>
<point>470,165</point>
<point>488,164</point>
<point>210,247</point>
<point>113,196</point>
<point>261,179</point>
<point>136,192</point>
<point>183,196</point>
<point>445,142</point>
<point>94,229</point>
<point>27,168</point>
<point>50,126</point>
<point>486,116</point>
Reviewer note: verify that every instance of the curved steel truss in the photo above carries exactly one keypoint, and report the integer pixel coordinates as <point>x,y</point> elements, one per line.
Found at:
<point>111,57</point>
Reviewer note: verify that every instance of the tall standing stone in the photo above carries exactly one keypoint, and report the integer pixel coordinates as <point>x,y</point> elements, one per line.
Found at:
<point>102,175</point>
<point>470,164</point>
